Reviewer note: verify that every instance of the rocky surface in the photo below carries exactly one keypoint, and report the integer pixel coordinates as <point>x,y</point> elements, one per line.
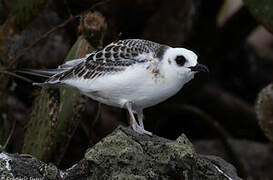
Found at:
<point>255,157</point>
<point>126,155</point>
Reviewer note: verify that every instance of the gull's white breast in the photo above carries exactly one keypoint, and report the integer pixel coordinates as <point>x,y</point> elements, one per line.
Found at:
<point>135,84</point>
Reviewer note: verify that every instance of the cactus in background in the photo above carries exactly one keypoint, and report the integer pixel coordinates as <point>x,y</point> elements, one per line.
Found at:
<point>56,112</point>
<point>54,115</point>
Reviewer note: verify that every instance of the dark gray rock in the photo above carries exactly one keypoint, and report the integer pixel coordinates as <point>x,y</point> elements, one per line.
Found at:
<point>127,155</point>
<point>255,157</point>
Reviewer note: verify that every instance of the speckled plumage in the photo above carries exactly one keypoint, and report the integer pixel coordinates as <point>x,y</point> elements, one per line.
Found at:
<point>132,74</point>
<point>113,58</point>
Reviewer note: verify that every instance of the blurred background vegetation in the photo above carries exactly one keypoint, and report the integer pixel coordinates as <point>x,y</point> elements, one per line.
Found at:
<point>228,113</point>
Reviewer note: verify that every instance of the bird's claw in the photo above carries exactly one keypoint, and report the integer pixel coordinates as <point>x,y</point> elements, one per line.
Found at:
<point>140,130</point>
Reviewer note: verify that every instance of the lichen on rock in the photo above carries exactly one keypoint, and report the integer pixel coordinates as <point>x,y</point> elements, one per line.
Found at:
<point>125,154</point>
<point>5,166</point>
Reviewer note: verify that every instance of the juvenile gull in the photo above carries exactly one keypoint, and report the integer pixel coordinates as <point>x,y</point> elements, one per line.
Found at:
<point>132,74</point>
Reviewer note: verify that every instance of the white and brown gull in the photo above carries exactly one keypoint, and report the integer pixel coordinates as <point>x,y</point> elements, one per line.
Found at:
<point>132,74</point>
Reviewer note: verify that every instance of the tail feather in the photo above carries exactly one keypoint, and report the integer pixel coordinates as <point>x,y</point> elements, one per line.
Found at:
<point>51,73</point>
<point>47,84</point>
<point>46,73</point>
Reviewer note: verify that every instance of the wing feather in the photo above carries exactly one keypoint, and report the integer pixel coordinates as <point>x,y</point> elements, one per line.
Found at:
<point>113,58</point>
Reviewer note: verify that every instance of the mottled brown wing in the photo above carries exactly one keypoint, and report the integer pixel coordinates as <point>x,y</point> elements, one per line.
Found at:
<point>115,57</point>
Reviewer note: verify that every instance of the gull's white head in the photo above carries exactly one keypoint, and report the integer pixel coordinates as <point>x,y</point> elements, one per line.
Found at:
<point>182,63</point>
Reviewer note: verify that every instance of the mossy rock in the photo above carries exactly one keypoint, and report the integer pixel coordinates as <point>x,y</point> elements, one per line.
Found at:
<point>126,155</point>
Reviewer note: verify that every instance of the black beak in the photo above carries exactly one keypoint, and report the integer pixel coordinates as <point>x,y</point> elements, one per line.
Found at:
<point>200,68</point>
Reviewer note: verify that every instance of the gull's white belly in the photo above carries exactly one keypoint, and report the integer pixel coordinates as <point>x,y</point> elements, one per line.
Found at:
<point>135,84</point>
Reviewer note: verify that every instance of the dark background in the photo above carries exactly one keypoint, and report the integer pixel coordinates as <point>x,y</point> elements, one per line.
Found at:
<point>215,111</point>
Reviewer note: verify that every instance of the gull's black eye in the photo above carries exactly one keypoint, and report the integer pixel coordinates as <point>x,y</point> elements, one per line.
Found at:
<point>180,60</point>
